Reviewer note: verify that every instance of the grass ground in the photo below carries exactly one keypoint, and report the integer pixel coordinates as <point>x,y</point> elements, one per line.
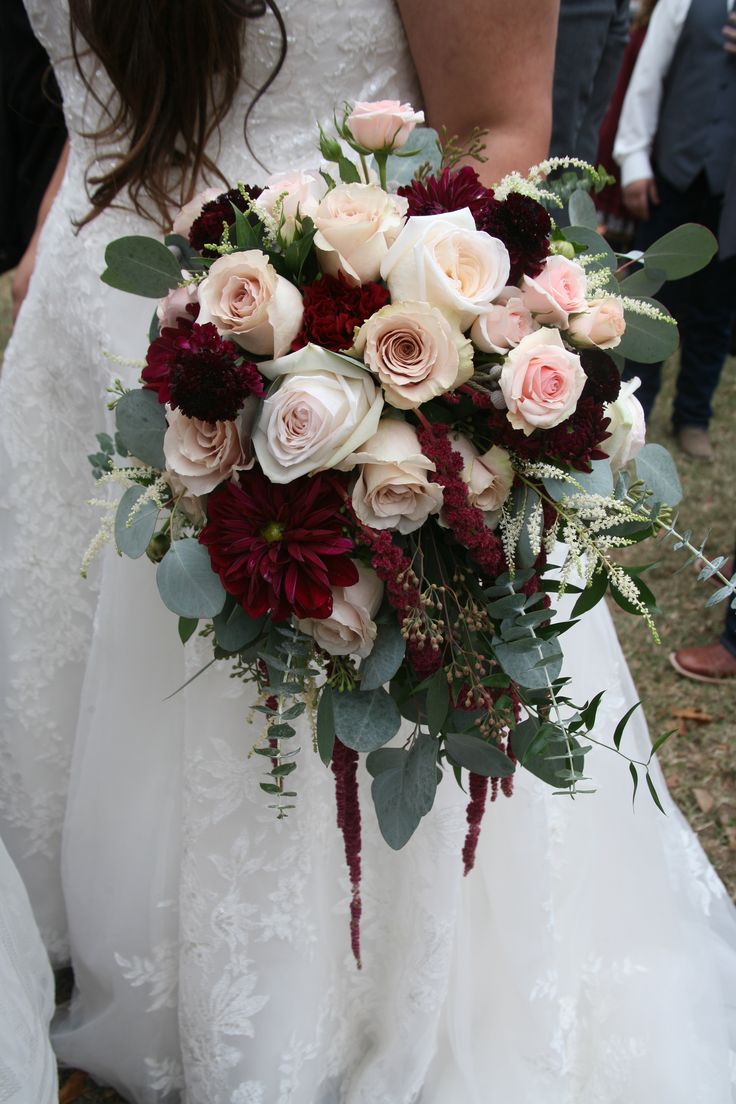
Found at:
<point>700,760</point>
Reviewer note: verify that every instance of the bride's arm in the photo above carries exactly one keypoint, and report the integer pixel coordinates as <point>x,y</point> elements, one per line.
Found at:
<point>487,63</point>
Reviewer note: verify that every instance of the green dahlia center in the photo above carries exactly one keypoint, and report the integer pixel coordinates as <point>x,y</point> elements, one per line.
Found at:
<point>272,532</point>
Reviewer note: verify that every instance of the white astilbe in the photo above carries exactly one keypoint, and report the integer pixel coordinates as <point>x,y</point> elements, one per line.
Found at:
<point>515,182</point>
<point>535,528</point>
<point>510,527</point>
<point>123,478</point>
<point>648,310</point>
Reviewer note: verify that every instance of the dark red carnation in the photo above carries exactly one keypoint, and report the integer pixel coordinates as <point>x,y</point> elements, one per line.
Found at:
<point>574,441</point>
<point>332,310</point>
<point>524,227</point>
<point>604,378</point>
<point>280,547</point>
<point>193,368</point>
<point>207,227</point>
<point>452,190</point>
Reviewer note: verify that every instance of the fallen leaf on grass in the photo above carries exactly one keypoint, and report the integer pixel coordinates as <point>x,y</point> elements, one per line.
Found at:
<point>705,800</point>
<point>692,715</point>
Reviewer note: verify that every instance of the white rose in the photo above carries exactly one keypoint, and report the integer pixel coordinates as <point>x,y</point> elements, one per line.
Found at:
<point>249,302</point>
<point>393,491</point>
<point>505,324</point>
<point>356,224</point>
<point>300,193</point>
<point>350,629</point>
<point>416,352</point>
<point>602,324</point>
<point>202,454</point>
<point>627,429</point>
<point>488,476</point>
<point>191,211</point>
<point>444,260</point>
<point>324,407</point>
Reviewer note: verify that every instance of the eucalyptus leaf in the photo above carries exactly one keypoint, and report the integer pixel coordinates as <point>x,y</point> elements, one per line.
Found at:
<point>425,150</point>
<point>385,658</point>
<point>656,468</point>
<point>403,794</point>
<point>438,701</point>
<point>647,340</point>
<point>520,660</point>
<point>142,266</point>
<point>365,719</point>
<point>141,424</point>
<point>540,754</point>
<point>234,628</point>
<point>133,535</point>
<point>647,281</point>
<point>582,210</point>
<point>595,246</point>
<point>682,251</point>
<point>478,755</point>
<point>325,725</point>
<point>386,758</point>
<point>186,582</point>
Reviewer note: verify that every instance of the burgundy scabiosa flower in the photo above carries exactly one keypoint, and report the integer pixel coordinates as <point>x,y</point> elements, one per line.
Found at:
<point>604,379</point>
<point>332,310</point>
<point>574,441</point>
<point>452,190</point>
<point>280,547</point>
<point>191,367</point>
<point>524,227</point>
<point>207,227</point>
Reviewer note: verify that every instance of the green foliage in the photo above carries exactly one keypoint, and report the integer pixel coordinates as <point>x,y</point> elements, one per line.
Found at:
<point>647,340</point>
<point>325,725</point>
<point>187,628</point>
<point>582,210</point>
<point>186,582</point>
<point>141,266</point>
<point>365,719</point>
<point>656,468</point>
<point>133,534</point>
<point>546,751</point>
<point>234,628</point>
<point>404,788</point>
<point>682,251</point>
<point>385,658</point>
<point>477,755</point>
<point>141,424</point>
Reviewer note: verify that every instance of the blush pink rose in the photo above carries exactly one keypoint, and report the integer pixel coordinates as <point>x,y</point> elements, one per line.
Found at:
<point>541,382</point>
<point>350,629</point>
<point>192,210</point>
<point>602,324</point>
<point>504,325</point>
<point>488,476</point>
<point>383,124</point>
<point>174,305</point>
<point>556,293</point>
<point>416,352</point>
<point>356,224</point>
<point>393,490</point>
<point>202,454</point>
<point>248,301</point>
<point>299,192</point>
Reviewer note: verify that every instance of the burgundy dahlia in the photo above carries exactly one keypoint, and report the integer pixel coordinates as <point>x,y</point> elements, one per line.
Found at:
<point>207,227</point>
<point>280,547</point>
<point>193,368</point>
<point>333,309</point>
<point>523,226</point>
<point>452,190</point>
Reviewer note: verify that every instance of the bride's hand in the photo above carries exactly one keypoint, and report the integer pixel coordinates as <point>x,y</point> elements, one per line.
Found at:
<point>487,63</point>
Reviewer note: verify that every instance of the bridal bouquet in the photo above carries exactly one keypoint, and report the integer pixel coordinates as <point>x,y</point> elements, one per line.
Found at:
<point>375,397</point>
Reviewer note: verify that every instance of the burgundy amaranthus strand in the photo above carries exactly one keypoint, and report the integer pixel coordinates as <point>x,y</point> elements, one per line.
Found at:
<point>345,770</point>
<point>478,786</point>
<point>464,520</point>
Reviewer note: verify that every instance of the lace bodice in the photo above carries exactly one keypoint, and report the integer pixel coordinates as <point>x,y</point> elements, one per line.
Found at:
<point>331,56</point>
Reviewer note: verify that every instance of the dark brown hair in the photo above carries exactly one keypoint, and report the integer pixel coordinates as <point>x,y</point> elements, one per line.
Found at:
<point>175,67</point>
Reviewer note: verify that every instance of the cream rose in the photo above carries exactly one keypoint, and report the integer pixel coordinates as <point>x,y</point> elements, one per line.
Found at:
<point>356,224</point>
<point>392,490</point>
<point>248,301</point>
<point>556,293</point>
<point>350,630</point>
<point>602,324</point>
<point>192,210</point>
<point>202,454</point>
<point>416,352</point>
<point>174,305</point>
<point>541,381</point>
<point>383,124</point>
<point>627,429</point>
<point>300,193</point>
<point>444,260</point>
<point>503,326</point>
<point>488,476</point>
<point>323,408</point>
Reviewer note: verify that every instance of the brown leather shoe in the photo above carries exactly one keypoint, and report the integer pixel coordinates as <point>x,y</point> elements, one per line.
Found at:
<point>695,442</point>
<point>710,663</point>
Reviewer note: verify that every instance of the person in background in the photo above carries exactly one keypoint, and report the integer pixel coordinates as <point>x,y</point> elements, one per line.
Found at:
<point>711,662</point>
<point>591,39</point>
<point>32,136</point>
<point>676,145</point>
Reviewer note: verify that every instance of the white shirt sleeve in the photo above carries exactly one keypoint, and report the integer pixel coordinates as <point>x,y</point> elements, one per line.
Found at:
<point>637,125</point>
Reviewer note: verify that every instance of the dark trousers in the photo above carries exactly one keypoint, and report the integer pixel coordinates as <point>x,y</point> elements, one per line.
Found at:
<point>591,38</point>
<point>704,305</point>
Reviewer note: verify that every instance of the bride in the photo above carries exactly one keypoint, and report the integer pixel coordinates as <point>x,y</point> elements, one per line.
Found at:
<point>591,956</point>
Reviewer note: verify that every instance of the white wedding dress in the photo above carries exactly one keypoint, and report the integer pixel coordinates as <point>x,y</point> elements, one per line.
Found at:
<point>589,959</point>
